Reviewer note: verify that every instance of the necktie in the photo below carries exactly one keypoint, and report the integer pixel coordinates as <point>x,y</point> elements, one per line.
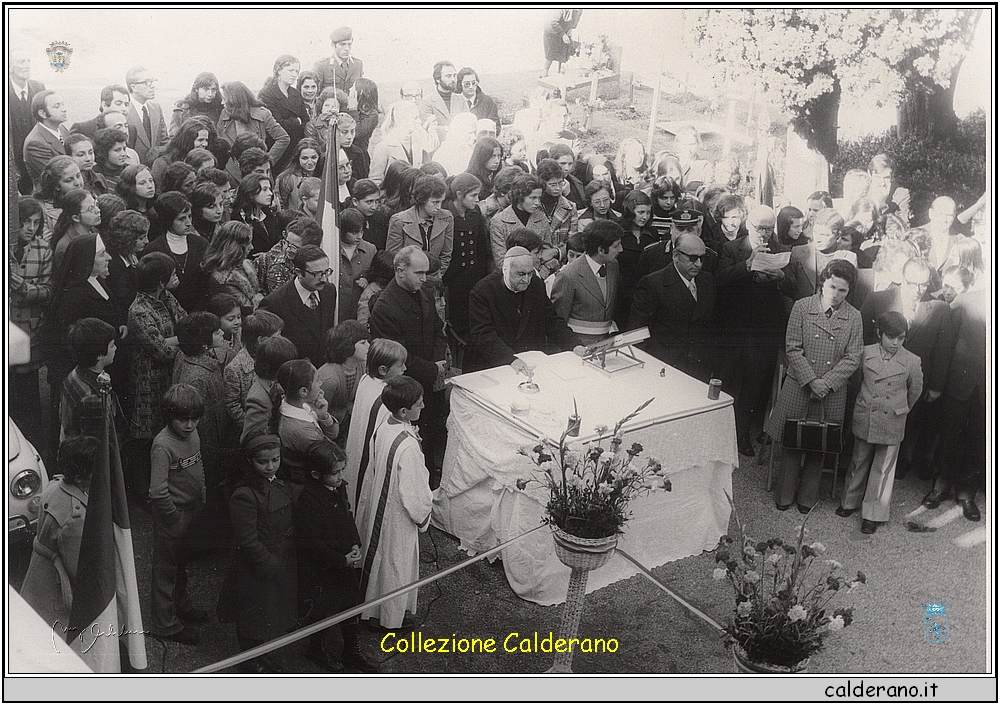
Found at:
<point>829,312</point>
<point>425,235</point>
<point>602,271</point>
<point>146,124</point>
<point>24,96</point>
<point>313,300</point>
<point>693,288</point>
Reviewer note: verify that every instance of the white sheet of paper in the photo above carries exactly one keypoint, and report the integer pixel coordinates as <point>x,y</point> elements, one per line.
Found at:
<point>766,260</point>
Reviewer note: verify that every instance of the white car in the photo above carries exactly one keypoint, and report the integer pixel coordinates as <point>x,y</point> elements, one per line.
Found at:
<point>26,478</point>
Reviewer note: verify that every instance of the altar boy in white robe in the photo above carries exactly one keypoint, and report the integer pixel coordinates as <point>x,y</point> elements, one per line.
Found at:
<point>395,506</point>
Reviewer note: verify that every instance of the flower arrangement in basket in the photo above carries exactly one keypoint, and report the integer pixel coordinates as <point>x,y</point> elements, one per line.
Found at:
<point>782,592</point>
<point>590,486</point>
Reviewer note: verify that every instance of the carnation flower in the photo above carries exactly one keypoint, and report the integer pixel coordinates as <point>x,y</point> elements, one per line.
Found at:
<point>797,613</point>
<point>835,624</point>
<point>718,574</point>
<point>605,489</point>
<point>743,609</point>
<point>601,429</point>
<point>818,547</point>
<point>752,576</point>
<point>774,558</point>
<point>834,565</point>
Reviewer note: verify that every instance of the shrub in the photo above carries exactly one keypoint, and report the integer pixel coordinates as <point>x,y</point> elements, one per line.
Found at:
<point>955,167</point>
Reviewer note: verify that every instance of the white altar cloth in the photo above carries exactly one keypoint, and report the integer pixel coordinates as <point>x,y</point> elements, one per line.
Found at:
<point>692,436</point>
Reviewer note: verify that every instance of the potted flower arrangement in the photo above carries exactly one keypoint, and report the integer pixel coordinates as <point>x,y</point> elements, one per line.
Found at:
<point>596,55</point>
<point>782,593</point>
<point>590,486</point>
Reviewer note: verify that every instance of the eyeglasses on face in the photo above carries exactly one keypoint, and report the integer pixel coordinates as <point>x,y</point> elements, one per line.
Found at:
<point>320,272</point>
<point>693,258</point>
<point>470,83</point>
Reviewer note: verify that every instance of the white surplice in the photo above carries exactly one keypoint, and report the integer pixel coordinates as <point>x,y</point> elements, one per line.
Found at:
<point>367,396</point>
<point>395,506</point>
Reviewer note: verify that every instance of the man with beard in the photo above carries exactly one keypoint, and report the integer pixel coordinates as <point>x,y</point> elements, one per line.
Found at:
<point>444,102</point>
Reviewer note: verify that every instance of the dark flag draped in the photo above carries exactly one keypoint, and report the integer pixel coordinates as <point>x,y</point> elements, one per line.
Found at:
<point>105,592</point>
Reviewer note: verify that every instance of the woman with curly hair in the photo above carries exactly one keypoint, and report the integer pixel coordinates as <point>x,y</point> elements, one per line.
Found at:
<point>110,151</point>
<point>227,267</point>
<point>192,133</point>
<point>305,163</point>
<point>60,176</point>
<point>79,216</point>
<point>179,240</point>
<point>179,176</point>
<point>243,113</point>
<point>137,188</point>
<point>200,158</point>
<point>282,98</point>
<point>252,205</point>
<point>515,148</point>
<point>204,99</point>
<point>127,237</point>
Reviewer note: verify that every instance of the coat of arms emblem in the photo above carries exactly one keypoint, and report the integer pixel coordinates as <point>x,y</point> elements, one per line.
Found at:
<point>935,623</point>
<point>59,55</point>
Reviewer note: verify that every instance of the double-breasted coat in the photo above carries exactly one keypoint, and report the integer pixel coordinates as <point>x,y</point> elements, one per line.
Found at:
<point>266,571</point>
<point>817,346</point>
<point>888,392</point>
<point>404,229</point>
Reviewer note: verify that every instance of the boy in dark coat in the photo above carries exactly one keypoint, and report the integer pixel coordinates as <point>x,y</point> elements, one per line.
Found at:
<point>329,550</point>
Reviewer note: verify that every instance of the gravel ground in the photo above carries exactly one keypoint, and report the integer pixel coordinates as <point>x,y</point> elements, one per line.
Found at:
<point>656,634</point>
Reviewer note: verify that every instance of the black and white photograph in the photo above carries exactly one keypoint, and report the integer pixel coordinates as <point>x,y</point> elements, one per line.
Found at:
<point>508,343</point>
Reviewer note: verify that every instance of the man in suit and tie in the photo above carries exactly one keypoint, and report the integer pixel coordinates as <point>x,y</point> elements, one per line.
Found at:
<point>927,338</point>
<point>809,260</point>
<point>677,303</point>
<point>20,90</point>
<point>307,304</point>
<point>114,98</point>
<point>509,313</point>
<point>48,135</point>
<point>341,70</point>
<point>145,115</point>
<point>940,219</point>
<point>585,290</point>
<point>753,308</point>
<point>444,102</point>
<point>405,312</point>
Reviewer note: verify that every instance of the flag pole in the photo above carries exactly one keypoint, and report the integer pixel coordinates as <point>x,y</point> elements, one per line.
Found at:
<point>328,214</point>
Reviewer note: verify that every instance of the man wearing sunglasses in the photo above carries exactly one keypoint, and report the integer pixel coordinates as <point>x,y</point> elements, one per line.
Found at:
<point>677,303</point>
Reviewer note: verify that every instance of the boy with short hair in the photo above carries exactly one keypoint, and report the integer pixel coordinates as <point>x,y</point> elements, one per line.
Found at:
<point>329,550</point>
<point>395,506</point>
<point>177,492</point>
<point>92,342</point>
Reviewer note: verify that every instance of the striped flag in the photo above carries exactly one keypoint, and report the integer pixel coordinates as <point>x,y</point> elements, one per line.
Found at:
<point>105,592</point>
<point>329,210</point>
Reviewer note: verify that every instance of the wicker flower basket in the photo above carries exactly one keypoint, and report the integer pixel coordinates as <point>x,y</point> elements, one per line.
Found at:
<point>745,665</point>
<point>586,554</point>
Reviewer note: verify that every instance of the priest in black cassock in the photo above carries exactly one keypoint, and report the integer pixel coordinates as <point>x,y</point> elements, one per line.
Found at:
<point>510,313</point>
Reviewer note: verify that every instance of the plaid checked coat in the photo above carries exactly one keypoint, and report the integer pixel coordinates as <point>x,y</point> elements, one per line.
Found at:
<point>817,346</point>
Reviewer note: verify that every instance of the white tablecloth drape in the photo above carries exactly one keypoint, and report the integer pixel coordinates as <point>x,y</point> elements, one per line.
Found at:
<point>479,503</point>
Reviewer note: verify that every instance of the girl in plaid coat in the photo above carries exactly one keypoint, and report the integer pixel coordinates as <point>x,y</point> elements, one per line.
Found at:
<point>823,341</point>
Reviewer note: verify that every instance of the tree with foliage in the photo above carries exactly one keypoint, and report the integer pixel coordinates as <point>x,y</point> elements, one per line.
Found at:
<point>809,58</point>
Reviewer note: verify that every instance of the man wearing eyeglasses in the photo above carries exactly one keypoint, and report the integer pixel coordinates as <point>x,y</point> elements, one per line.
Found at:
<point>145,115</point>
<point>307,304</point>
<point>753,306</point>
<point>677,303</point>
<point>480,104</point>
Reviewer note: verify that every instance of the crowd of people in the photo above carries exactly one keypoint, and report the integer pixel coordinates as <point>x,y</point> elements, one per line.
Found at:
<point>301,422</point>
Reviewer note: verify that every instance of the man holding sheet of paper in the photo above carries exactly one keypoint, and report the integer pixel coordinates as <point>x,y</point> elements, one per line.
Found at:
<point>756,282</point>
